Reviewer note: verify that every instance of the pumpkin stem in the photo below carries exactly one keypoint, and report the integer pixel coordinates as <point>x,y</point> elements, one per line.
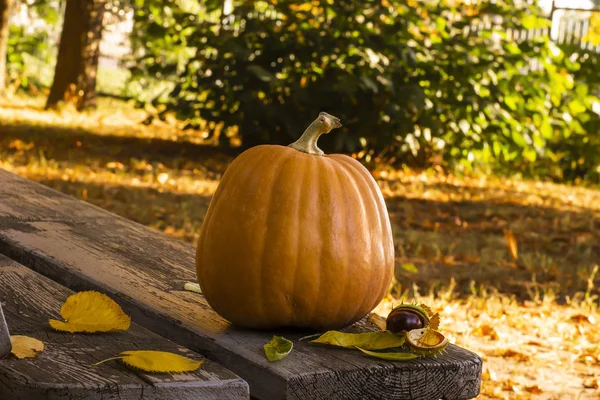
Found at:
<point>308,141</point>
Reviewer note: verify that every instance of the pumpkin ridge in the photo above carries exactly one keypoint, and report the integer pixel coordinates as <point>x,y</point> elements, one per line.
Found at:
<point>256,160</point>
<point>276,164</point>
<point>324,179</point>
<point>210,212</point>
<point>385,229</point>
<point>315,167</point>
<point>338,170</point>
<point>384,224</point>
<point>355,180</point>
<point>304,179</point>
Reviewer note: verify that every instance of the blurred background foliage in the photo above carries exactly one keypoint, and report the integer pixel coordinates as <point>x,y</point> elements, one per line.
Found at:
<point>415,83</point>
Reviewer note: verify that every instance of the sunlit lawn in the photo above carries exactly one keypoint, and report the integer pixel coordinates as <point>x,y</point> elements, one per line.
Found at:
<point>529,312</point>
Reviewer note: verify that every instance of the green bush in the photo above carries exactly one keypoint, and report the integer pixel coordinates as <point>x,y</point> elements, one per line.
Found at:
<point>32,48</point>
<point>414,82</point>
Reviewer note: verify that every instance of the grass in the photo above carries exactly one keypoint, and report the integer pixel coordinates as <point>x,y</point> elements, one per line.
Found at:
<point>511,265</point>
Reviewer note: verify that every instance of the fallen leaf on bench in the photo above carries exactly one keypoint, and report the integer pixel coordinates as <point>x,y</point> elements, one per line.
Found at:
<point>156,361</point>
<point>25,346</point>
<point>192,287</point>
<point>378,321</point>
<point>368,341</point>
<point>91,312</point>
<point>390,356</point>
<point>278,348</point>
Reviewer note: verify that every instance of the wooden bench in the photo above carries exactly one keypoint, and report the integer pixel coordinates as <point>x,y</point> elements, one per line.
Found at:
<point>84,247</point>
<point>63,370</point>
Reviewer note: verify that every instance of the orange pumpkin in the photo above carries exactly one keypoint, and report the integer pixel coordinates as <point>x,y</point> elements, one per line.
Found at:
<point>293,237</point>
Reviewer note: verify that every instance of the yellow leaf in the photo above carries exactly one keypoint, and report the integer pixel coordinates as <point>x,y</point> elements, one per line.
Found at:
<point>511,243</point>
<point>278,348</point>
<point>192,287</point>
<point>378,321</point>
<point>25,346</point>
<point>91,312</point>
<point>368,341</point>
<point>156,361</point>
<point>391,356</point>
<point>486,330</point>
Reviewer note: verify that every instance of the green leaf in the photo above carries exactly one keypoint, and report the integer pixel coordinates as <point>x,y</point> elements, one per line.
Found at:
<point>576,107</point>
<point>518,138</point>
<point>497,148</point>
<point>511,102</point>
<point>529,21</point>
<point>368,340</point>
<point>409,267</point>
<point>391,356</point>
<point>513,48</point>
<point>546,129</point>
<point>278,348</point>
<point>529,154</point>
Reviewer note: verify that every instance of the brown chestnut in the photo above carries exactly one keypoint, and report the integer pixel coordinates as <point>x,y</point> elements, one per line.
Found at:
<point>403,320</point>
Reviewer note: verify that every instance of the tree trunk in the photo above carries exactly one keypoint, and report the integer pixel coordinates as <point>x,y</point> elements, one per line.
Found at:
<point>78,53</point>
<point>5,8</point>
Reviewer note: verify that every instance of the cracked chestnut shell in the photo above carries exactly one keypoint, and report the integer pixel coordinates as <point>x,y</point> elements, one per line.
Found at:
<point>403,320</point>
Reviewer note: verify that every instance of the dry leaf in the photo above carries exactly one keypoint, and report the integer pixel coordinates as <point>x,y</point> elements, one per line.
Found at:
<point>510,353</point>
<point>427,309</point>
<point>486,330</point>
<point>25,346</point>
<point>535,389</point>
<point>192,287</point>
<point>489,375</point>
<point>378,321</point>
<point>512,386</point>
<point>409,267</point>
<point>583,318</point>
<point>588,358</point>
<point>511,243</point>
<point>91,312</point>
<point>535,343</point>
<point>156,361</point>
<point>591,383</point>
<point>391,356</point>
<point>368,340</point>
<point>278,348</point>
<point>448,260</point>
<point>434,321</point>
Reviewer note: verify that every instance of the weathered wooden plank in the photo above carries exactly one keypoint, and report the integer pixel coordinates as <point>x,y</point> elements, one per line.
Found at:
<point>5,346</point>
<point>85,247</point>
<point>63,370</point>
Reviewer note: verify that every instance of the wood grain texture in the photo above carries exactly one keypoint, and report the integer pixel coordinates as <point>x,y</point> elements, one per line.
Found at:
<point>5,345</point>
<point>85,247</point>
<point>63,370</point>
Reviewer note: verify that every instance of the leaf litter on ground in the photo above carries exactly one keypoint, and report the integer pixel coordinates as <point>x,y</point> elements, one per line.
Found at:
<point>437,215</point>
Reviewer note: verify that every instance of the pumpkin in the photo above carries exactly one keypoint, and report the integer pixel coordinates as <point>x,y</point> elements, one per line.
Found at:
<point>293,237</point>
